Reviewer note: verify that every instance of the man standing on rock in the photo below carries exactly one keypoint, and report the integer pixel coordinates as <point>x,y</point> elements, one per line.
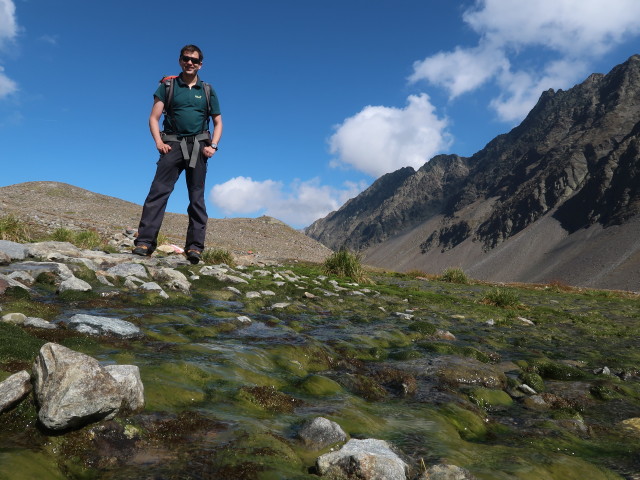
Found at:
<point>184,144</point>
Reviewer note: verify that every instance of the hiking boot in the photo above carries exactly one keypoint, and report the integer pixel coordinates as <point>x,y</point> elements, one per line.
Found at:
<point>141,250</point>
<point>194,256</point>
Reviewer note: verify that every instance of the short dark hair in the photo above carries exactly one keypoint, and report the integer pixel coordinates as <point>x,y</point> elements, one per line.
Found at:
<point>191,49</point>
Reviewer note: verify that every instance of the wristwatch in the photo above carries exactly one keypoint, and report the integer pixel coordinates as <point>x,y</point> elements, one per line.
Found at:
<point>214,146</point>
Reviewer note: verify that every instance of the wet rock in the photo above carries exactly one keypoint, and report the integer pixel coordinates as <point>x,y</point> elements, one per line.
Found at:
<point>15,318</point>
<point>446,472</point>
<point>72,389</point>
<point>95,325</point>
<point>35,322</point>
<point>454,370</point>
<point>14,389</point>
<point>631,425</point>
<point>73,284</point>
<point>320,433</point>
<point>526,389</point>
<point>368,459</point>
<point>15,251</point>
<point>130,384</point>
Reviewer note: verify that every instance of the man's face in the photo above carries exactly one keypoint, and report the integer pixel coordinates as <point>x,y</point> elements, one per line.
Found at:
<point>190,62</point>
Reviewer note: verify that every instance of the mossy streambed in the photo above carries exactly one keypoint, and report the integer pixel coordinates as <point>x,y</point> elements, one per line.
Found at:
<point>432,367</point>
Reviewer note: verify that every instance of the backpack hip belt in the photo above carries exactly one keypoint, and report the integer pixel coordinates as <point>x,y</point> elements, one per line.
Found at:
<point>184,142</point>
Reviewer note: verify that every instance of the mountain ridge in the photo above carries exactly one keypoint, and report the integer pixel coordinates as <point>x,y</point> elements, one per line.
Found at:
<point>572,162</point>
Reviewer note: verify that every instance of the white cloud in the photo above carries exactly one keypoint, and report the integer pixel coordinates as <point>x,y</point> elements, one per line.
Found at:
<point>379,139</point>
<point>298,205</point>
<point>575,32</point>
<point>8,23</point>
<point>8,31</point>
<point>462,70</point>
<point>7,85</point>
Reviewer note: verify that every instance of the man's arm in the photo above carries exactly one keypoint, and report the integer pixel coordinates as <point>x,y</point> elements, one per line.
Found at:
<point>154,125</point>
<point>217,134</point>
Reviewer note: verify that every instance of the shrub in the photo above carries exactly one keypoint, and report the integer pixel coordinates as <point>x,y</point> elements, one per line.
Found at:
<point>502,298</point>
<point>454,275</point>
<point>216,256</point>
<point>13,229</point>
<point>344,263</point>
<point>87,239</point>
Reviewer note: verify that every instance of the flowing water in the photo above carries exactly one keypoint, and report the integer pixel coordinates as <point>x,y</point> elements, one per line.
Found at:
<point>225,396</point>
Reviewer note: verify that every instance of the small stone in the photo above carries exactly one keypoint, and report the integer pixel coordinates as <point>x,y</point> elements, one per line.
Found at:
<point>16,318</point>
<point>320,433</point>
<point>526,389</point>
<point>34,322</point>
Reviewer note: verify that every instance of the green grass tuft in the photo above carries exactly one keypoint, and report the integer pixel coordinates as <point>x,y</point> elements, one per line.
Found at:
<point>14,229</point>
<point>454,275</point>
<point>345,264</point>
<point>216,256</point>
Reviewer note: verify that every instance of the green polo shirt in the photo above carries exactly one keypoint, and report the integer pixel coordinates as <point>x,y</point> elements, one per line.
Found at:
<point>189,108</point>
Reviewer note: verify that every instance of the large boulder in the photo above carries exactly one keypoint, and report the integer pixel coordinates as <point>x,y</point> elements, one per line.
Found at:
<point>368,459</point>
<point>14,389</point>
<point>73,389</point>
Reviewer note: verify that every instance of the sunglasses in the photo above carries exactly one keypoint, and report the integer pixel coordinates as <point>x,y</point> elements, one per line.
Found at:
<point>195,61</point>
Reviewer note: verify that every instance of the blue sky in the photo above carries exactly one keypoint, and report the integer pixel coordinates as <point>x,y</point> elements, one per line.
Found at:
<point>318,98</point>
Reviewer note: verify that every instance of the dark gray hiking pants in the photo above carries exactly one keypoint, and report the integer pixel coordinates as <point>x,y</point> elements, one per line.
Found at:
<point>170,166</point>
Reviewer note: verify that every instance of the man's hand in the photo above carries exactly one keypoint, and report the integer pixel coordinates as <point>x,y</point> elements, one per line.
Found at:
<point>163,148</point>
<point>208,151</point>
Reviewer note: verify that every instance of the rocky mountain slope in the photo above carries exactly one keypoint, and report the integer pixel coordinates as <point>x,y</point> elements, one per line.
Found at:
<point>557,198</point>
<point>50,205</point>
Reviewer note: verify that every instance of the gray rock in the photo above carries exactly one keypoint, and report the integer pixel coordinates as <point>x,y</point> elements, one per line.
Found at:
<point>127,270</point>
<point>14,389</point>
<point>4,259</point>
<point>16,318</point>
<point>154,287</point>
<point>73,389</point>
<point>173,279</point>
<point>130,384</point>
<point>23,277</point>
<point>15,251</point>
<point>60,270</point>
<point>73,284</point>
<point>95,325</point>
<point>253,295</point>
<point>368,459</point>
<point>320,433</point>
<point>52,251</point>
<point>35,322</point>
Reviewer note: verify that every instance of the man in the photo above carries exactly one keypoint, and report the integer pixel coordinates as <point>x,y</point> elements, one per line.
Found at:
<point>184,144</point>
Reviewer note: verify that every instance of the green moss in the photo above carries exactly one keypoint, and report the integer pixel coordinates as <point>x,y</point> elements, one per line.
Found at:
<point>489,398</point>
<point>423,328</point>
<point>534,380</point>
<point>319,385</point>
<point>468,425</point>
<point>555,370</point>
<point>17,345</point>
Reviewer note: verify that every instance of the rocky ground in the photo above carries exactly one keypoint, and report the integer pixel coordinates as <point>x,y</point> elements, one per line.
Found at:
<point>50,205</point>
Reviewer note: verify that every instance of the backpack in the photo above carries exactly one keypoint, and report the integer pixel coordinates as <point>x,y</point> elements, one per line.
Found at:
<point>168,82</point>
